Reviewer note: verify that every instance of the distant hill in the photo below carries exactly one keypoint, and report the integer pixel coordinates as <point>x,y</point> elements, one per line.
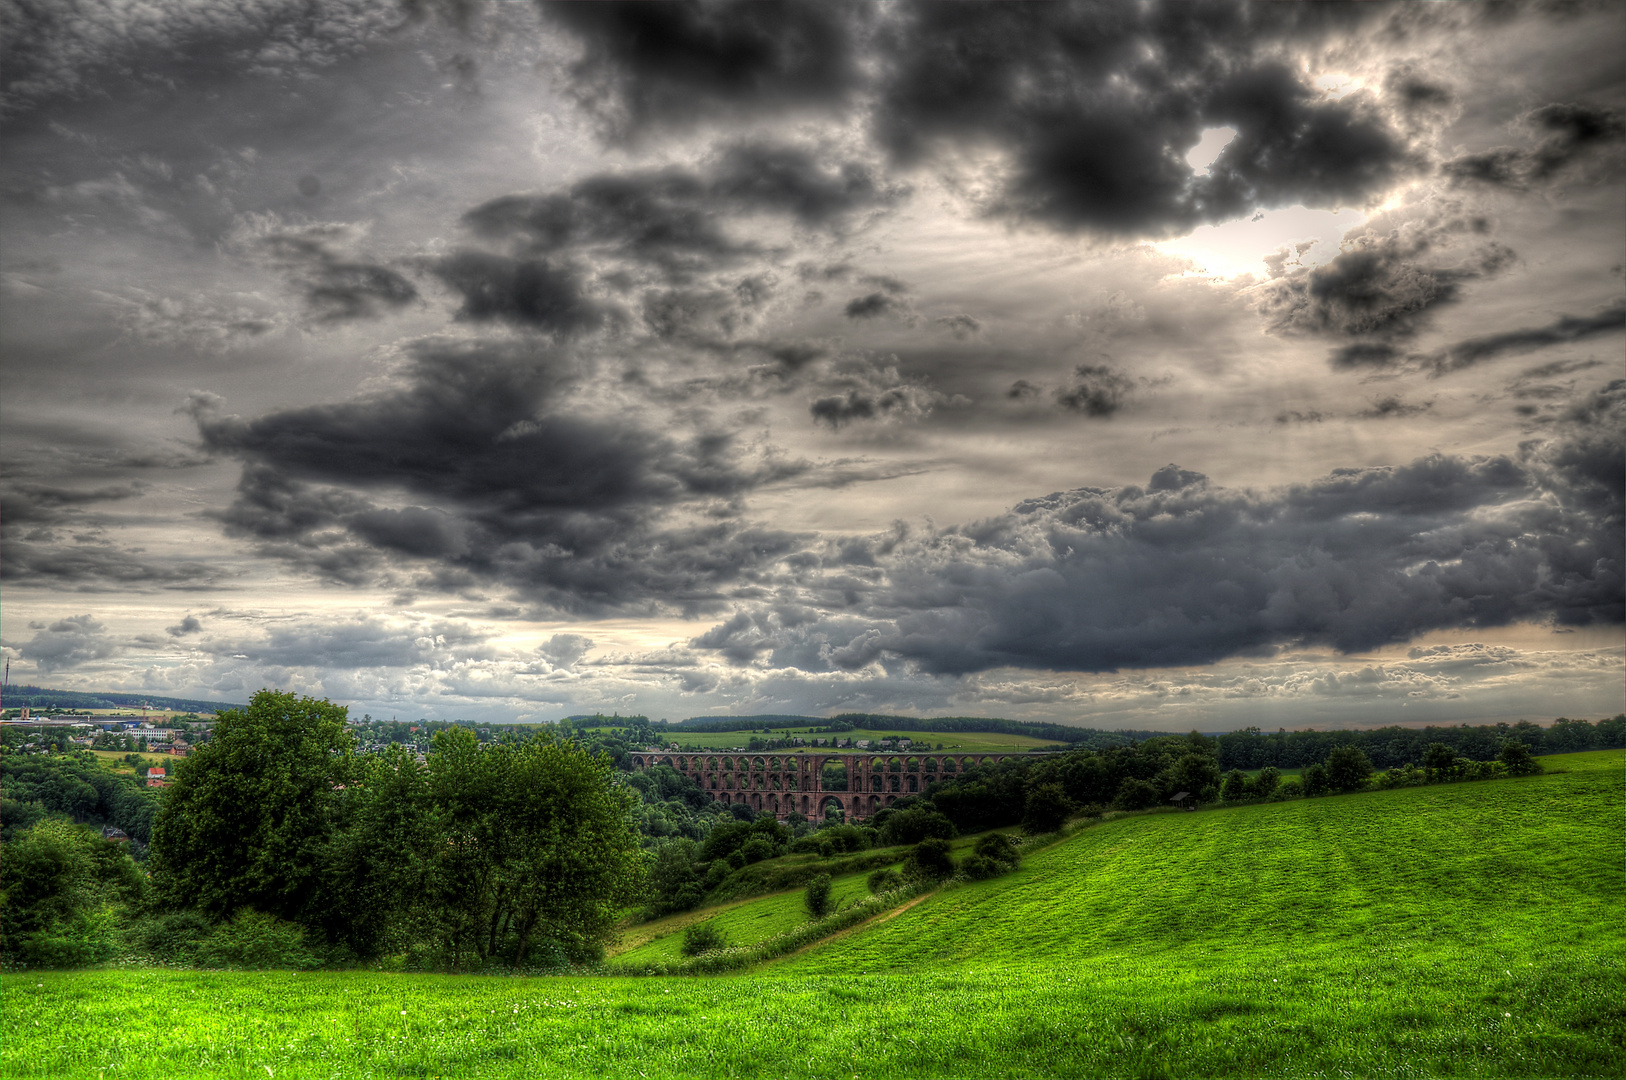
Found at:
<point>40,697</point>
<point>1062,733</point>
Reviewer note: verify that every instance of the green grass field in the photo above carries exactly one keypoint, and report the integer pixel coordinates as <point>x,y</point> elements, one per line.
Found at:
<point>969,742</point>
<point>1458,930</point>
<point>114,760</point>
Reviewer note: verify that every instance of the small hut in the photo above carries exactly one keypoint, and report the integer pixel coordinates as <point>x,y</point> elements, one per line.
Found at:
<point>1184,800</point>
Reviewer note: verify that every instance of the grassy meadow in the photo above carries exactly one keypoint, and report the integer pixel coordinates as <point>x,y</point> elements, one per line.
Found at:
<point>114,760</point>
<point>1465,929</point>
<point>966,742</point>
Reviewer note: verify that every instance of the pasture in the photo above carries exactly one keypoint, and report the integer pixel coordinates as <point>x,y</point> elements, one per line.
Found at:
<point>1465,929</point>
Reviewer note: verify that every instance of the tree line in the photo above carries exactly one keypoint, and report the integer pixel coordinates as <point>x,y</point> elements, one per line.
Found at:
<point>1391,747</point>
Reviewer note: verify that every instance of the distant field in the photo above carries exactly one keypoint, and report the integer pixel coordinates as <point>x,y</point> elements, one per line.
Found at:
<point>114,759</point>
<point>1464,929</point>
<point>972,742</point>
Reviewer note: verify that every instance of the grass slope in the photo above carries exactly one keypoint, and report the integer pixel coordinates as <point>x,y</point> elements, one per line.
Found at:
<point>1464,930</point>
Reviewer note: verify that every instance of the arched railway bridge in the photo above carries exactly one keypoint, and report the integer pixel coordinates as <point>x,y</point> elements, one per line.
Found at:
<point>782,783</point>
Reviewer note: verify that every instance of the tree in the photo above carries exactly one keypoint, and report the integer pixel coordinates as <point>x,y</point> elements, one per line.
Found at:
<point>1316,781</point>
<point>1136,794</point>
<point>1348,768</point>
<point>1235,786</point>
<point>537,843</point>
<point>1265,784</point>
<point>1437,761</point>
<point>817,897</point>
<point>1516,756</point>
<point>1047,809</point>
<point>247,817</point>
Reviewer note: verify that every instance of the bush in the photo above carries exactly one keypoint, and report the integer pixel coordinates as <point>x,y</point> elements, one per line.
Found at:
<point>757,848</point>
<point>817,897</point>
<point>1316,781</point>
<point>884,880</point>
<point>998,847</point>
<point>1291,787</point>
<point>929,861</point>
<point>1265,784</point>
<point>1517,759</point>
<point>178,937</point>
<point>701,938</point>
<point>1348,768</point>
<point>1047,809</point>
<point>715,873</point>
<point>914,825</point>
<point>1235,786</point>
<point>1136,794</point>
<point>981,867</point>
<point>254,939</point>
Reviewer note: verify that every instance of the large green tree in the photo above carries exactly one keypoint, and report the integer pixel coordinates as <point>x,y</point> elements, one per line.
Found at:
<point>537,843</point>
<point>248,816</point>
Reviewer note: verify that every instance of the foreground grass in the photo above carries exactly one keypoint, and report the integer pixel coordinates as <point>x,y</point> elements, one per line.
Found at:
<point>1461,930</point>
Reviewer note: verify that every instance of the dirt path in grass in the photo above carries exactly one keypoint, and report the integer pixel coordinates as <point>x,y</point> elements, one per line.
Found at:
<point>839,934</point>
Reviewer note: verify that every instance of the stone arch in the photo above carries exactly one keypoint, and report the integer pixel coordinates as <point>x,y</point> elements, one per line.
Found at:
<point>890,799</point>
<point>825,803</point>
<point>930,765</point>
<point>758,764</point>
<point>949,768</point>
<point>756,801</point>
<point>896,784</point>
<point>914,784</point>
<point>911,764</point>
<point>804,805</point>
<point>638,762</point>
<point>714,782</point>
<point>874,803</point>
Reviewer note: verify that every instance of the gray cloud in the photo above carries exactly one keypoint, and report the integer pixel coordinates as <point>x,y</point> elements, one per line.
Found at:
<point>1095,390</point>
<point>67,643</point>
<point>1563,331</point>
<point>673,64</point>
<point>1570,134</point>
<point>335,288</point>
<point>1187,572</point>
<point>508,483</point>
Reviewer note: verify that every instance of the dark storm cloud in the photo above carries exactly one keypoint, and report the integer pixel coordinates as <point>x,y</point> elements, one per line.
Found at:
<point>1563,331</point>
<point>874,305</point>
<point>1098,104</point>
<point>1095,390</point>
<point>527,291</point>
<point>1569,134</point>
<point>1095,105</point>
<point>1383,287</point>
<point>1387,408</point>
<point>1187,572</point>
<point>506,482</point>
<point>672,64</point>
<point>335,288</point>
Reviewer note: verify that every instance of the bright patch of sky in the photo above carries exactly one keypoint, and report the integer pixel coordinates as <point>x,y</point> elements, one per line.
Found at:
<point>1235,248</point>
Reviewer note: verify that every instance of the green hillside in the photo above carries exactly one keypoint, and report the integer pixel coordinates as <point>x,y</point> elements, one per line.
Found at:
<point>1467,929</point>
<point>1423,868</point>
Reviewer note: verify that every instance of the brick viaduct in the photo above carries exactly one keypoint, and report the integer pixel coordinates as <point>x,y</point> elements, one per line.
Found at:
<point>782,783</point>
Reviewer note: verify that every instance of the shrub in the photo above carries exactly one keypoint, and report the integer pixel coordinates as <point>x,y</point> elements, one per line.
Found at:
<point>1134,794</point>
<point>998,847</point>
<point>1516,757</point>
<point>757,848</point>
<point>1235,786</point>
<point>929,860</point>
<point>1265,784</point>
<point>1316,780</point>
<point>1348,768</point>
<point>254,939</point>
<point>177,937</point>
<point>884,880</point>
<point>1291,787</point>
<point>981,867</point>
<point>914,825</point>
<point>1047,809</point>
<point>701,938</point>
<point>817,897</point>
<point>715,873</point>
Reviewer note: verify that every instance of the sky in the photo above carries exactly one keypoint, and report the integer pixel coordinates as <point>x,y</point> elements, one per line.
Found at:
<point>1158,365</point>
